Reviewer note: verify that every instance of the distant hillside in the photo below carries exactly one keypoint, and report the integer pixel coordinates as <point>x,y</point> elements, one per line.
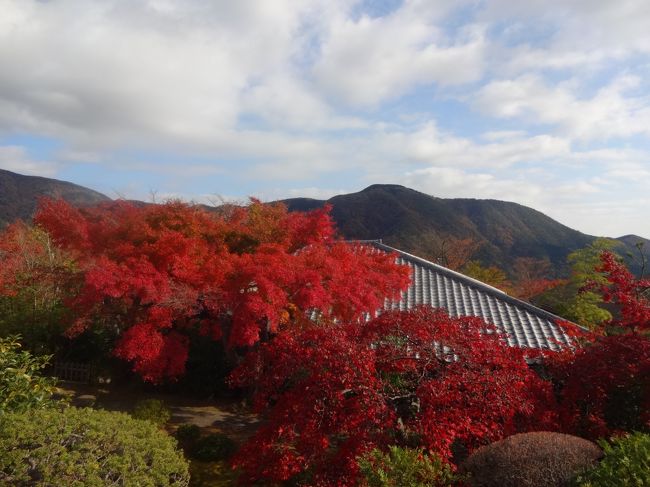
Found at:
<point>19,195</point>
<point>407,219</point>
<point>633,240</point>
<point>631,252</point>
<point>402,217</point>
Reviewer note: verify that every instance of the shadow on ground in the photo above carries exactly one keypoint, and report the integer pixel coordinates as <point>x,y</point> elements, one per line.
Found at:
<point>228,416</point>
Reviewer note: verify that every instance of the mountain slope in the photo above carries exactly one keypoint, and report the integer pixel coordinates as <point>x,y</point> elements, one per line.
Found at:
<point>19,195</point>
<point>402,217</point>
<point>635,249</point>
<point>409,220</point>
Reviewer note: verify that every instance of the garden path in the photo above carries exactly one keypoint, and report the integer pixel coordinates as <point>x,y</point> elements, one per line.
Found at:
<point>229,416</point>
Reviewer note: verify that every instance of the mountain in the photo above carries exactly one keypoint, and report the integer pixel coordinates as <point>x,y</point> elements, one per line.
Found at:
<point>19,195</point>
<point>632,241</point>
<point>404,218</point>
<point>411,220</point>
<point>634,248</point>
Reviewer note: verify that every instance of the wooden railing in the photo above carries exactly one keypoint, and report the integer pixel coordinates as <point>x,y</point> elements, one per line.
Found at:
<point>73,372</point>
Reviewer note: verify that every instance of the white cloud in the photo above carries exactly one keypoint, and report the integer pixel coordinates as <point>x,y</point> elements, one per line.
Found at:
<point>626,170</point>
<point>577,33</point>
<point>609,113</point>
<point>114,72</point>
<point>15,158</point>
<point>368,60</point>
<point>609,215</point>
<point>496,135</point>
<point>449,182</point>
<point>429,145</point>
<point>282,93</point>
<point>285,101</point>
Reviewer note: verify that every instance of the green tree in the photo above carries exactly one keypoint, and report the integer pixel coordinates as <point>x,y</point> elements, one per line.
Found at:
<point>85,447</point>
<point>577,300</point>
<point>626,463</point>
<point>489,275</point>
<point>153,410</point>
<point>404,466</point>
<point>36,278</point>
<point>21,385</point>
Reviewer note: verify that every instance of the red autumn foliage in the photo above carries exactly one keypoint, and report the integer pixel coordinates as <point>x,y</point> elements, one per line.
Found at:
<point>156,272</point>
<point>529,289</point>
<point>604,387</point>
<point>29,259</point>
<point>417,378</point>
<point>630,295</point>
<point>531,277</point>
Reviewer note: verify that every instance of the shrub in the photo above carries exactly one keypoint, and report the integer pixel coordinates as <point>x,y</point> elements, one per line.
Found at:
<point>153,410</point>
<point>87,447</point>
<point>404,466</point>
<point>603,386</point>
<point>213,474</point>
<point>530,459</point>
<point>626,463</point>
<point>214,447</point>
<point>188,433</point>
<point>21,386</point>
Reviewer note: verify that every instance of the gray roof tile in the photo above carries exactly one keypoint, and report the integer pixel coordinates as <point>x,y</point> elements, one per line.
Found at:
<point>526,325</point>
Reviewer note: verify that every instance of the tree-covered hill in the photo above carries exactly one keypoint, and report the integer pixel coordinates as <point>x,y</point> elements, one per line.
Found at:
<point>499,232</point>
<point>420,223</point>
<point>19,195</point>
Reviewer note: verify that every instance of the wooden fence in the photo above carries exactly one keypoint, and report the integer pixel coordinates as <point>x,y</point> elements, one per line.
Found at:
<point>74,372</point>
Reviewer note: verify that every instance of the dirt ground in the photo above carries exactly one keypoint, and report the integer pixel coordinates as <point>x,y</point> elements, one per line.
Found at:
<point>228,416</point>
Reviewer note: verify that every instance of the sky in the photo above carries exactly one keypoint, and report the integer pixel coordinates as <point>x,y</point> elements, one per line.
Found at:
<point>544,102</point>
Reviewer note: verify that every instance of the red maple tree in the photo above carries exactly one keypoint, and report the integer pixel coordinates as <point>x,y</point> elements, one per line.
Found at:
<point>531,277</point>
<point>154,273</point>
<point>630,295</point>
<point>605,385</point>
<point>415,378</point>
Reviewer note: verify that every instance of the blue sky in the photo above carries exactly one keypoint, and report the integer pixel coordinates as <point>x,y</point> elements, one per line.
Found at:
<point>542,103</point>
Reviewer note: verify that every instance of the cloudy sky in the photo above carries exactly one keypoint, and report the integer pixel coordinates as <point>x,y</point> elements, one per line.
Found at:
<point>545,103</point>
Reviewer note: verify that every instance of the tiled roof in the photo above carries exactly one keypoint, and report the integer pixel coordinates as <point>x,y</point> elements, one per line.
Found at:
<point>526,325</point>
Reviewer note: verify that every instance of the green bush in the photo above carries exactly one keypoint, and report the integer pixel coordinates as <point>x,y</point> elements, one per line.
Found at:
<point>626,463</point>
<point>84,447</point>
<point>405,466</point>
<point>213,474</point>
<point>214,447</point>
<point>188,433</point>
<point>153,410</point>
<point>540,459</point>
<point>21,386</point>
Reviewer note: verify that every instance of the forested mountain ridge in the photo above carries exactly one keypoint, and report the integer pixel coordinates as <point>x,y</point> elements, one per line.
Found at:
<point>19,195</point>
<point>414,221</point>
<point>410,220</point>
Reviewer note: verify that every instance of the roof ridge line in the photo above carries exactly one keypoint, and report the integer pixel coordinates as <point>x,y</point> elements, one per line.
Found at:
<point>478,284</point>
